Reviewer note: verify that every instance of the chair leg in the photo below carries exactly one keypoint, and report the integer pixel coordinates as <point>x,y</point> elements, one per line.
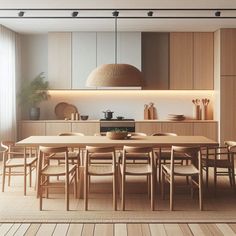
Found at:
<point>163,182</point>
<point>215,179</point>
<point>86,192</point>
<point>40,193</point>
<point>30,176</point>
<point>114,192</point>
<point>3,178</point>
<point>75,184</point>
<point>67,193</point>
<point>152,192</point>
<point>159,171</point>
<point>233,177</point>
<point>207,176</point>
<point>230,177</point>
<point>171,193</point>
<point>25,179</point>
<point>200,193</point>
<point>123,192</point>
<point>9,177</point>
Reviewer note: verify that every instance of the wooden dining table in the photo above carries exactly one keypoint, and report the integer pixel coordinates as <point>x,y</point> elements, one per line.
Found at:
<point>83,141</point>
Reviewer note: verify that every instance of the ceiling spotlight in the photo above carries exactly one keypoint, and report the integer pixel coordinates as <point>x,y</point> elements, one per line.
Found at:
<point>21,13</point>
<point>150,13</point>
<point>217,13</point>
<point>75,13</point>
<point>115,13</point>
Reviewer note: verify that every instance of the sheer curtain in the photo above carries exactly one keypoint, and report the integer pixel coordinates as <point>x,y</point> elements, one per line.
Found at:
<point>7,84</point>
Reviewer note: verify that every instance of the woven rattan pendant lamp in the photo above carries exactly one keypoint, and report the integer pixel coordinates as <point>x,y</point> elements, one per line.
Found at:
<point>115,75</point>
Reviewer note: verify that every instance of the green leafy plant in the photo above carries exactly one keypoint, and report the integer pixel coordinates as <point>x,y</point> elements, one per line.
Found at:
<point>34,92</point>
<point>117,130</point>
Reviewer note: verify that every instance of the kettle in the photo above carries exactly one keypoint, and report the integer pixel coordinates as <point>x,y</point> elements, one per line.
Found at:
<point>108,114</point>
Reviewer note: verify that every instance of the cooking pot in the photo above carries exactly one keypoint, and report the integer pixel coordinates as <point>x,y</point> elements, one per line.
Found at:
<point>108,114</point>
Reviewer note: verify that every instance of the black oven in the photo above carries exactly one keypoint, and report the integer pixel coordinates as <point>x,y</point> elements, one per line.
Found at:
<point>113,124</point>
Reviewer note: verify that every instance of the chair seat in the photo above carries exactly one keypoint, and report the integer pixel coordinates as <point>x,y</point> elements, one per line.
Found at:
<point>137,168</point>
<point>220,163</point>
<point>182,169</point>
<point>61,156</point>
<point>106,156</point>
<point>57,170</point>
<point>100,169</point>
<point>137,156</point>
<point>166,154</point>
<point>19,162</point>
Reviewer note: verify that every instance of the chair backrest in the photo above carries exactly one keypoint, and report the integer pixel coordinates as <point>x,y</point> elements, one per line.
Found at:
<point>231,145</point>
<point>71,134</point>
<point>102,150</point>
<point>7,145</point>
<point>45,152</point>
<point>193,152</point>
<point>138,134</point>
<point>136,151</point>
<point>164,134</point>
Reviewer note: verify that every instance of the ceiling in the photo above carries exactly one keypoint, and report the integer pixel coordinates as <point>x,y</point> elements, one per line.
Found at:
<point>150,24</point>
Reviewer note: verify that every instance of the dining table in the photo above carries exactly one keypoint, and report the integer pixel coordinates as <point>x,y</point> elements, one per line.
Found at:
<point>139,141</point>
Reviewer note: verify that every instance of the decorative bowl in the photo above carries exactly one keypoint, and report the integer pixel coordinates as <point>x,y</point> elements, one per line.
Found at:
<point>116,135</point>
<point>84,117</point>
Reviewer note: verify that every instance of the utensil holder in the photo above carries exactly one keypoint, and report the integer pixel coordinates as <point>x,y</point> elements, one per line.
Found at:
<point>204,113</point>
<point>197,112</point>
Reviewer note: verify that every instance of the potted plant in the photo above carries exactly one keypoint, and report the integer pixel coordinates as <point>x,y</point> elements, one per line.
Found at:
<point>32,93</point>
<point>117,133</point>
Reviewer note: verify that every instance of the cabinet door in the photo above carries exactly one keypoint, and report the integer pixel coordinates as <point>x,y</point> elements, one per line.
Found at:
<point>227,106</point>
<point>105,48</point>
<point>203,61</point>
<point>87,128</point>
<point>228,51</point>
<point>155,60</point>
<point>208,130</point>
<point>181,60</point>
<point>59,60</point>
<point>57,128</point>
<point>83,58</point>
<point>148,128</point>
<point>27,129</point>
<point>177,127</point>
<point>129,48</point>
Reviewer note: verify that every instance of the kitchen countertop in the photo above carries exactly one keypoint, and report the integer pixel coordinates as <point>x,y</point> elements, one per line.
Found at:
<point>94,121</point>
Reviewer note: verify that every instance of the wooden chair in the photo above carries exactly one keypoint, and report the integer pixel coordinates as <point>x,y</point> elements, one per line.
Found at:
<point>93,169</point>
<point>163,155</point>
<point>221,158</point>
<point>137,169</point>
<point>14,159</point>
<point>47,170</point>
<point>193,170</point>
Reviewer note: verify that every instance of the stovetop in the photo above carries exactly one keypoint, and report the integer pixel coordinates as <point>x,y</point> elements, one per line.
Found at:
<point>116,120</point>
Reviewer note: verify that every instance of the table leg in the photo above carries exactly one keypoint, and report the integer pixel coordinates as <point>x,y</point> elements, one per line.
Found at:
<point>81,182</point>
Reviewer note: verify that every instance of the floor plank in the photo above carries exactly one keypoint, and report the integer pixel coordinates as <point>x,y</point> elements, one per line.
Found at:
<point>214,230</point>
<point>185,229</point>
<point>88,230</point>
<point>196,229</point>
<point>134,229</point>
<point>145,230</point>
<point>120,230</point>
<point>104,230</point>
<point>61,230</point>
<point>226,229</point>
<point>75,230</point>
<point>22,230</point>
<point>233,227</point>
<point>46,229</point>
<point>4,228</point>
<point>157,229</point>
<point>13,229</point>
<point>32,230</point>
<point>173,229</point>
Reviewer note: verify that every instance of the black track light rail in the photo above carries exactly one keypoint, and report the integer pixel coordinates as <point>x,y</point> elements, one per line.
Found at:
<point>117,9</point>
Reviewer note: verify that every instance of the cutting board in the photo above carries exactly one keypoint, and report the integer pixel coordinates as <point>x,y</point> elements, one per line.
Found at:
<point>151,110</point>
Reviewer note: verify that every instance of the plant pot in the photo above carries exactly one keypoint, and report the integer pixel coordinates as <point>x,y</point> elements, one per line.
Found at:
<point>116,135</point>
<point>34,113</point>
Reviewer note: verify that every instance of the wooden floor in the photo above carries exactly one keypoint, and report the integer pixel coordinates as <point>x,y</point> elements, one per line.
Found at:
<point>117,229</point>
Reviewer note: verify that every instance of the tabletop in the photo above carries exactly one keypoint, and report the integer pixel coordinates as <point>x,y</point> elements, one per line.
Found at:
<point>82,141</point>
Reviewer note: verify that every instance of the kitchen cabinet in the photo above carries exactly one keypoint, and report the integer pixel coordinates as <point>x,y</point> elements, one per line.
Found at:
<point>209,130</point>
<point>59,60</point>
<point>26,129</point>
<point>191,60</point>
<point>155,60</point>
<point>55,128</point>
<point>87,128</point>
<point>228,51</point>
<point>84,58</point>
<point>181,60</point>
<point>148,128</point>
<point>179,128</point>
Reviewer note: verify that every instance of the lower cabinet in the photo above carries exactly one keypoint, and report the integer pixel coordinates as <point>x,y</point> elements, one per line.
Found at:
<point>55,128</point>
<point>177,127</point>
<point>26,129</point>
<point>148,128</point>
<point>209,130</point>
<point>87,128</point>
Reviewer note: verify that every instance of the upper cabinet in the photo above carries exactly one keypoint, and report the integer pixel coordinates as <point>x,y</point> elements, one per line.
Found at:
<point>228,51</point>
<point>155,60</point>
<point>191,60</point>
<point>59,60</point>
<point>84,57</point>
<point>181,60</point>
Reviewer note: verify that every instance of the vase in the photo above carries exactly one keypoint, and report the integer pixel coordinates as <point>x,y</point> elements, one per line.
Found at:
<point>34,113</point>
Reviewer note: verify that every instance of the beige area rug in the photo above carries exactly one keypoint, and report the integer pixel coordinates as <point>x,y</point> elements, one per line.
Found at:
<point>14,207</point>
